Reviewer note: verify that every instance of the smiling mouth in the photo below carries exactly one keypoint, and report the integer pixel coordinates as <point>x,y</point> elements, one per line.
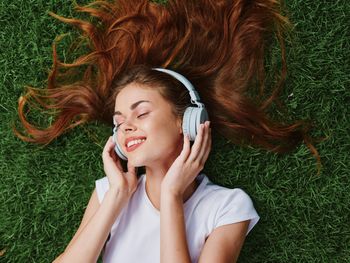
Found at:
<point>133,147</point>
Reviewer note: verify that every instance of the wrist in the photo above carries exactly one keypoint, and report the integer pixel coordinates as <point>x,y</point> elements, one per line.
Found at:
<point>118,195</point>
<point>171,194</point>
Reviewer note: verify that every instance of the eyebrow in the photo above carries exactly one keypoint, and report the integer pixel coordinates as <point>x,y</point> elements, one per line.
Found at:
<point>132,107</point>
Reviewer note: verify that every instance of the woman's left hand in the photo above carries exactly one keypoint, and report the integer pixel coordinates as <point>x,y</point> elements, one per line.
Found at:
<point>189,163</point>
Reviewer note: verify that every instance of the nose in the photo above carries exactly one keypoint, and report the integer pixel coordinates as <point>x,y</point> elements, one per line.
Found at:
<point>128,127</point>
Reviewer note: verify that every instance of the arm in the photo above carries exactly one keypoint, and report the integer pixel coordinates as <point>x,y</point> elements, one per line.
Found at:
<point>88,242</point>
<point>98,219</point>
<point>225,243</point>
<point>222,246</point>
<point>173,242</point>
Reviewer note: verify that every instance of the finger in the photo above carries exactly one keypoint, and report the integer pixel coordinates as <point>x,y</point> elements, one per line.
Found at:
<point>197,144</point>
<point>109,153</point>
<point>205,141</point>
<point>132,176</point>
<point>115,158</point>
<point>208,148</point>
<point>186,148</point>
<point>131,169</point>
<point>117,162</point>
<point>108,146</point>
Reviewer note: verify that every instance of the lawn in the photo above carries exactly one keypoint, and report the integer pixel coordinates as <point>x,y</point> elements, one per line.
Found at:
<point>304,217</point>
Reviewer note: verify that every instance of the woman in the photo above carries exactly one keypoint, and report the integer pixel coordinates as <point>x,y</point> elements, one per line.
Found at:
<point>220,46</point>
<point>143,228</point>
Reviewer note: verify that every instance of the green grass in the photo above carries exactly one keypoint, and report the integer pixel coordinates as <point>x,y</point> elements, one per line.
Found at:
<point>304,217</point>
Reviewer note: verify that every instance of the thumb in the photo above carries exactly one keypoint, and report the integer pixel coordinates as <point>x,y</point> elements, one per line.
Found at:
<point>132,170</point>
<point>186,148</point>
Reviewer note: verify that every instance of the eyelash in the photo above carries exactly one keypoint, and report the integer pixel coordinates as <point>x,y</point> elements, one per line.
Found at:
<point>137,117</point>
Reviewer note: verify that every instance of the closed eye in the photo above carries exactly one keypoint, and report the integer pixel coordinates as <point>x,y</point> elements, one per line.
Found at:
<point>137,117</point>
<point>142,114</point>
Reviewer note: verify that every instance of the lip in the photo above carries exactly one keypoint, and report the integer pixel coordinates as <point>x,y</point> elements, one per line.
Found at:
<point>132,138</point>
<point>133,147</point>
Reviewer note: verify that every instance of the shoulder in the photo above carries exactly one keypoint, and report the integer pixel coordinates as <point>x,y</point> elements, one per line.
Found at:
<point>233,198</point>
<point>223,196</point>
<point>229,205</point>
<point>102,186</point>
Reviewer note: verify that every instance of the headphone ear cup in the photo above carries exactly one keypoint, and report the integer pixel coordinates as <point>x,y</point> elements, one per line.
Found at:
<point>118,150</point>
<point>186,122</point>
<point>199,115</point>
<point>193,117</point>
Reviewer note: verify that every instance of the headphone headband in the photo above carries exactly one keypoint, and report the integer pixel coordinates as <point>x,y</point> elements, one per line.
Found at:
<point>195,99</point>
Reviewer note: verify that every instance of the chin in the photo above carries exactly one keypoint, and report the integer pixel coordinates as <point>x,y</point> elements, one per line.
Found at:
<point>136,161</point>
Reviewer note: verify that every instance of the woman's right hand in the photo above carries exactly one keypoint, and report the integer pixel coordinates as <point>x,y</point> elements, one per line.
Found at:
<point>124,183</point>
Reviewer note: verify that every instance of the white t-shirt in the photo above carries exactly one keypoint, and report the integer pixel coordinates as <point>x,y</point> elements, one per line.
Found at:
<point>135,235</point>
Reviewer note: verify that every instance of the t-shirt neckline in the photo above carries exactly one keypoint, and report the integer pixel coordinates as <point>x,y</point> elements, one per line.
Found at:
<point>200,177</point>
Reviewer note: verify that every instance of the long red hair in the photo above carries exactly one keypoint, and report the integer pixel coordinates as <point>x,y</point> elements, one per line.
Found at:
<point>219,45</point>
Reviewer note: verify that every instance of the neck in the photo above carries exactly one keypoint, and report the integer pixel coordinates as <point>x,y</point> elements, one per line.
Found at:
<point>156,171</point>
<point>153,186</point>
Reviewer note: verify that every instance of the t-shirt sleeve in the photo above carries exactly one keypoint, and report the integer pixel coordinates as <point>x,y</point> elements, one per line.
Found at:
<point>102,186</point>
<point>235,206</point>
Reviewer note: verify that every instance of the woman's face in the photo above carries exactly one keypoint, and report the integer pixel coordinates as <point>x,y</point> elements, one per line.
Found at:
<point>152,120</point>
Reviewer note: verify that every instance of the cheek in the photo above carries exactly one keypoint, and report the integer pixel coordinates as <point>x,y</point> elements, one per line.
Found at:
<point>162,135</point>
<point>168,138</point>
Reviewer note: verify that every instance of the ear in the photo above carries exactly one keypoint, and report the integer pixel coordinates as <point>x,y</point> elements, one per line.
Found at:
<point>179,125</point>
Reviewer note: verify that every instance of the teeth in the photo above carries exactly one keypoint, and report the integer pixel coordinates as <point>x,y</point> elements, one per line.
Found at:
<point>131,143</point>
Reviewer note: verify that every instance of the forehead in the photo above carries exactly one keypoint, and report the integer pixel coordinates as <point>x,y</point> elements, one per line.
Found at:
<point>136,92</point>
